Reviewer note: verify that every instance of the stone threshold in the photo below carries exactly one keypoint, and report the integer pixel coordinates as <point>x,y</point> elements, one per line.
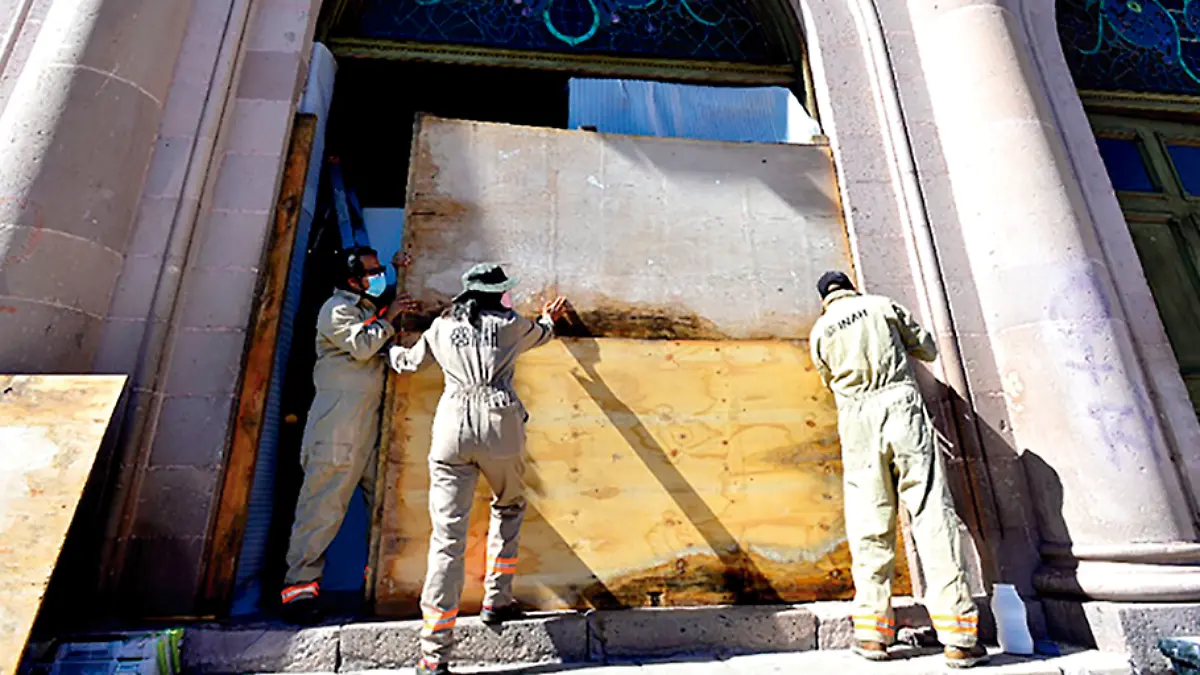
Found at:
<point>594,637</point>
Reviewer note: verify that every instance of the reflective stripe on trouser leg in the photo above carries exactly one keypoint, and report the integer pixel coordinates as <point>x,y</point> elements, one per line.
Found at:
<point>300,592</point>
<point>936,528</point>
<point>505,475</point>
<point>870,504</point>
<point>451,490</point>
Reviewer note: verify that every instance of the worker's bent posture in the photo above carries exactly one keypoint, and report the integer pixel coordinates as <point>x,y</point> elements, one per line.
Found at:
<point>341,437</point>
<point>860,346</point>
<point>479,427</point>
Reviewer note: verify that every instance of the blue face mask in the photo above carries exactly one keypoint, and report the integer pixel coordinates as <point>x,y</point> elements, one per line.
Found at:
<point>376,285</point>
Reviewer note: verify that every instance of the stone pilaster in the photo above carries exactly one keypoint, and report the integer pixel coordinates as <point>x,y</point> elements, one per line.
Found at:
<point>1115,518</point>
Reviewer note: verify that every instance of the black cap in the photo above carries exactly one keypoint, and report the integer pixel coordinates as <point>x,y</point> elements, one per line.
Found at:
<point>833,278</point>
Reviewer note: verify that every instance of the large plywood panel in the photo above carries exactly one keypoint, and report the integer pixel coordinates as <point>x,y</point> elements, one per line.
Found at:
<point>649,237</point>
<point>50,430</point>
<point>660,473</point>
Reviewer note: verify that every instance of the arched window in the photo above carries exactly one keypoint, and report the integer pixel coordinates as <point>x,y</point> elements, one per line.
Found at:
<point>1148,46</point>
<point>734,41</point>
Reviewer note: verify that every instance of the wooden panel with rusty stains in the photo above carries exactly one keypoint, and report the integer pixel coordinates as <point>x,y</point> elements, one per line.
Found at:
<point>660,473</point>
<point>650,237</point>
<point>51,427</point>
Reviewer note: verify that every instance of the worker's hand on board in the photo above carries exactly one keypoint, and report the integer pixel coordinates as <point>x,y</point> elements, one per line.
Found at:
<point>401,260</point>
<point>403,304</point>
<point>555,309</point>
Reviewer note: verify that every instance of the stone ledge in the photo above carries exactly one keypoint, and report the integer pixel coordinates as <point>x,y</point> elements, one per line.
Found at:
<point>567,637</point>
<point>714,631</point>
<point>544,638</point>
<point>263,649</point>
<point>1121,627</point>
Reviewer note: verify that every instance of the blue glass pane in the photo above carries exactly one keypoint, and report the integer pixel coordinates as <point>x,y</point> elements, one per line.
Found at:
<point>1186,159</point>
<point>1136,45</point>
<point>724,30</point>
<point>1125,165</point>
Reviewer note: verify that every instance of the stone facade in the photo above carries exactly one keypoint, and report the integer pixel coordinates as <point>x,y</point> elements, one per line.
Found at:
<point>972,188</point>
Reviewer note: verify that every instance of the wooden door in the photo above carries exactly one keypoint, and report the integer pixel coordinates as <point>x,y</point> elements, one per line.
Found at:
<point>1155,170</point>
<point>682,450</point>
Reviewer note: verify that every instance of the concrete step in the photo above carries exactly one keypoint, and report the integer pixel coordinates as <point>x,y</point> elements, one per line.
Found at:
<point>710,634</point>
<point>840,662</point>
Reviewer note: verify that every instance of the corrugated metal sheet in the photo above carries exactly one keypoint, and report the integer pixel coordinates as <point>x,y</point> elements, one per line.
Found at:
<point>247,594</point>
<point>641,108</point>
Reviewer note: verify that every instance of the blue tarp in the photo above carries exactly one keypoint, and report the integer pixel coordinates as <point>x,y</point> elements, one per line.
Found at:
<point>642,108</point>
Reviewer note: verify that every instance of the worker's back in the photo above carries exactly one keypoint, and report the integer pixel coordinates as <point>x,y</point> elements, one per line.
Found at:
<point>478,362</point>
<point>860,343</point>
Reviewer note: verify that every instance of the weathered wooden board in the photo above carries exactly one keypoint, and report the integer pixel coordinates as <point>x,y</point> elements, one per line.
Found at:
<point>234,505</point>
<point>50,430</point>
<point>660,473</point>
<point>648,237</point>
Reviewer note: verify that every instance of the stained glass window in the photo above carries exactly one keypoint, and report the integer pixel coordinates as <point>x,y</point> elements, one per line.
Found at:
<point>1125,165</point>
<point>723,30</point>
<point>1134,45</point>
<point>1186,159</point>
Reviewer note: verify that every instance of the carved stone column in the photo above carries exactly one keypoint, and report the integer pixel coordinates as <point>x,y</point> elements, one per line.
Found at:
<point>1117,523</point>
<point>77,136</point>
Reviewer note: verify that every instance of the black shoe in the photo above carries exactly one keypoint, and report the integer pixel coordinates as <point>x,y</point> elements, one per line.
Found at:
<point>303,611</point>
<point>499,615</point>
<point>300,604</point>
<point>426,668</point>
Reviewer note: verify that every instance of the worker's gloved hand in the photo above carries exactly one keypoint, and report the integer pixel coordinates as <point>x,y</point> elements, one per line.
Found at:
<point>555,309</point>
<point>403,304</point>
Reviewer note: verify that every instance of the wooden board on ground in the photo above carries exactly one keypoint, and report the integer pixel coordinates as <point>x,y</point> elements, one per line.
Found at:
<point>50,430</point>
<point>660,473</point>
<point>650,237</point>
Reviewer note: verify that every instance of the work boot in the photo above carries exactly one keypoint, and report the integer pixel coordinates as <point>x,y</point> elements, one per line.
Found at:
<point>957,657</point>
<point>427,667</point>
<point>496,616</point>
<point>300,603</point>
<point>871,651</point>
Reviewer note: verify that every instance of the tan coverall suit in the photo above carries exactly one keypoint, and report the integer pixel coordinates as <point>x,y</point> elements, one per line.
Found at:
<point>860,346</point>
<point>479,427</point>
<point>341,438</point>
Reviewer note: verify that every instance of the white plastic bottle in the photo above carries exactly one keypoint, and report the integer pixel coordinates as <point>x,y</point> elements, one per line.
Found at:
<point>1012,622</point>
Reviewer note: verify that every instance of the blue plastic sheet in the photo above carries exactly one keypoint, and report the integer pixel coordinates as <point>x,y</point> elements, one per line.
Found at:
<point>642,108</point>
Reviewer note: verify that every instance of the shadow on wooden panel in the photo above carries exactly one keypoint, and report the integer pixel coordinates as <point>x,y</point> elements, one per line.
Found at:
<point>659,473</point>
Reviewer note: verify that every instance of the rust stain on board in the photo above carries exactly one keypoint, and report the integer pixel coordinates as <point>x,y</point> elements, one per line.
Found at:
<point>704,471</point>
<point>687,240</point>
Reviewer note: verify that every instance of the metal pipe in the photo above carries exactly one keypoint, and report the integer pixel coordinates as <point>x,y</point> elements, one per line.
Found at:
<point>155,353</point>
<point>866,15</point>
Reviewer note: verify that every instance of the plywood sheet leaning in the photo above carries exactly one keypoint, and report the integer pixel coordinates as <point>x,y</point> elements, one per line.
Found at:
<point>660,473</point>
<point>681,449</point>
<point>50,430</point>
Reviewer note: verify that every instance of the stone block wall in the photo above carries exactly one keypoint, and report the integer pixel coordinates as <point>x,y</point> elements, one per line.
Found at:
<point>174,472</point>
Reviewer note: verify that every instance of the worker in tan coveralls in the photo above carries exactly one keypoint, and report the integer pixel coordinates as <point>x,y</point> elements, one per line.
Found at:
<point>341,437</point>
<point>860,346</point>
<point>479,427</point>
